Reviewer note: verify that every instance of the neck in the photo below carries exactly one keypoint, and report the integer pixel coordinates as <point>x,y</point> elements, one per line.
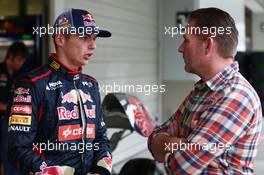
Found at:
<point>64,60</point>
<point>215,68</point>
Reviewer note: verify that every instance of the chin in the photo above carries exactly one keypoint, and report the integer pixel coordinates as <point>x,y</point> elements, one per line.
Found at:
<point>84,62</point>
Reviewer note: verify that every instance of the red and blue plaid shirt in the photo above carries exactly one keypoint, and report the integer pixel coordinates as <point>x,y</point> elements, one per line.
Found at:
<point>229,118</point>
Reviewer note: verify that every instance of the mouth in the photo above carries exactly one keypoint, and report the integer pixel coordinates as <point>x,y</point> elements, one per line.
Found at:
<point>88,56</point>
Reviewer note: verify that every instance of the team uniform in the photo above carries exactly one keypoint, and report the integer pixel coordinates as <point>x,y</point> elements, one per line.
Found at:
<point>56,107</point>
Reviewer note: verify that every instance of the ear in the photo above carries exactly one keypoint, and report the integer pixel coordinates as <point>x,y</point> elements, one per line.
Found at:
<point>59,39</point>
<point>209,45</point>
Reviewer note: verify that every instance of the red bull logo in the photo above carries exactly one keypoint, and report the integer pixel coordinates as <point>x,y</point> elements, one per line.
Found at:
<point>87,17</point>
<point>85,97</point>
<point>21,98</point>
<point>90,113</point>
<point>65,114</point>
<point>63,21</point>
<point>49,170</point>
<point>71,97</point>
<point>86,23</point>
<point>20,91</point>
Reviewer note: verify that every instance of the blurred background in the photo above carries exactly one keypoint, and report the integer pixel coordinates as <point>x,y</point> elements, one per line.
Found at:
<point>139,52</point>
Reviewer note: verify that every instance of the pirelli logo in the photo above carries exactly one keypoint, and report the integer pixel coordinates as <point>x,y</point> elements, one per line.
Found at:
<point>55,65</point>
<point>20,120</point>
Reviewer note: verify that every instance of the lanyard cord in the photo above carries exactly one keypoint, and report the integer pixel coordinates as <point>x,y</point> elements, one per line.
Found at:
<point>187,110</point>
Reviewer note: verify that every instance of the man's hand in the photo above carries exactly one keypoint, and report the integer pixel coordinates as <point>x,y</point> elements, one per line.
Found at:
<point>158,145</point>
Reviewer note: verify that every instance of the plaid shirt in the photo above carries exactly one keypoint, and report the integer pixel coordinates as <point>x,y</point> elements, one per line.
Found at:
<point>229,118</point>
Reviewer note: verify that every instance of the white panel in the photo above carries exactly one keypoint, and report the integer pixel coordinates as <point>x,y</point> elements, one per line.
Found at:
<point>257,32</point>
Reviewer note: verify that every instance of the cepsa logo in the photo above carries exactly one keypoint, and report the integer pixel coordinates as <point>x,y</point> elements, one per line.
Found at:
<point>21,109</point>
<point>74,132</point>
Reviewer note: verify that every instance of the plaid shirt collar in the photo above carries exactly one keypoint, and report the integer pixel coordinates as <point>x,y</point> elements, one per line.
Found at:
<point>220,79</point>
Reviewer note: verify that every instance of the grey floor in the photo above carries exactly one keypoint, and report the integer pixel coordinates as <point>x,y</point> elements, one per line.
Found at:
<point>259,162</point>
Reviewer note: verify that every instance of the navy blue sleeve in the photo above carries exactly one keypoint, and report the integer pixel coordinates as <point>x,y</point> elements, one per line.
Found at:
<point>103,158</point>
<point>22,129</point>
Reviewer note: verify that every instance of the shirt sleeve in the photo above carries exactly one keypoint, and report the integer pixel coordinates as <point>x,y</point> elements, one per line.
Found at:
<point>103,159</point>
<point>22,128</point>
<point>171,126</point>
<point>220,126</point>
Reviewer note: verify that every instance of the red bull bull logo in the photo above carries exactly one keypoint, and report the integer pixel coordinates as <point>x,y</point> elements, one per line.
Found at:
<point>71,97</point>
<point>20,91</point>
<point>87,17</point>
<point>49,170</point>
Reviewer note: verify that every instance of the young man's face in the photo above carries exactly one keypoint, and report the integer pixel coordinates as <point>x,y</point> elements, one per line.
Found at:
<point>17,62</point>
<point>78,50</point>
<point>193,52</point>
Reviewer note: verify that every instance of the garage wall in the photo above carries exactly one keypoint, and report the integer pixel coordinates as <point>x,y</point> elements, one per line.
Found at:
<point>130,56</point>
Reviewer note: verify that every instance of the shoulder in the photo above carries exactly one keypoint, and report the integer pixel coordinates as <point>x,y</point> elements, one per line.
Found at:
<point>242,92</point>
<point>35,77</point>
<point>90,79</point>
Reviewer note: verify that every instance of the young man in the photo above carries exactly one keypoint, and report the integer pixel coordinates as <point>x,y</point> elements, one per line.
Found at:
<point>217,128</point>
<point>15,57</point>
<point>55,123</point>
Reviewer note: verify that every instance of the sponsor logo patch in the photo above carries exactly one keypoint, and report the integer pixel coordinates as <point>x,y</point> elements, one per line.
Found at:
<point>89,84</point>
<point>55,65</point>
<point>21,109</point>
<point>106,162</point>
<point>20,120</point>
<point>74,132</point>
<point>19,128</point>
<point>65,114</point>
<point>3,77</point>
<point>54,85</point>
<point>21,98</point>
<point>71,97</point>
<point>87,17</point>
<point>90,113</point>
<point>21,91</point>
<point>50,170</point>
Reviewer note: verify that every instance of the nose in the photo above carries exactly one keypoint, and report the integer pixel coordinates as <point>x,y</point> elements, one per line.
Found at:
<point>92,44</point>
<point>180,49</point>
